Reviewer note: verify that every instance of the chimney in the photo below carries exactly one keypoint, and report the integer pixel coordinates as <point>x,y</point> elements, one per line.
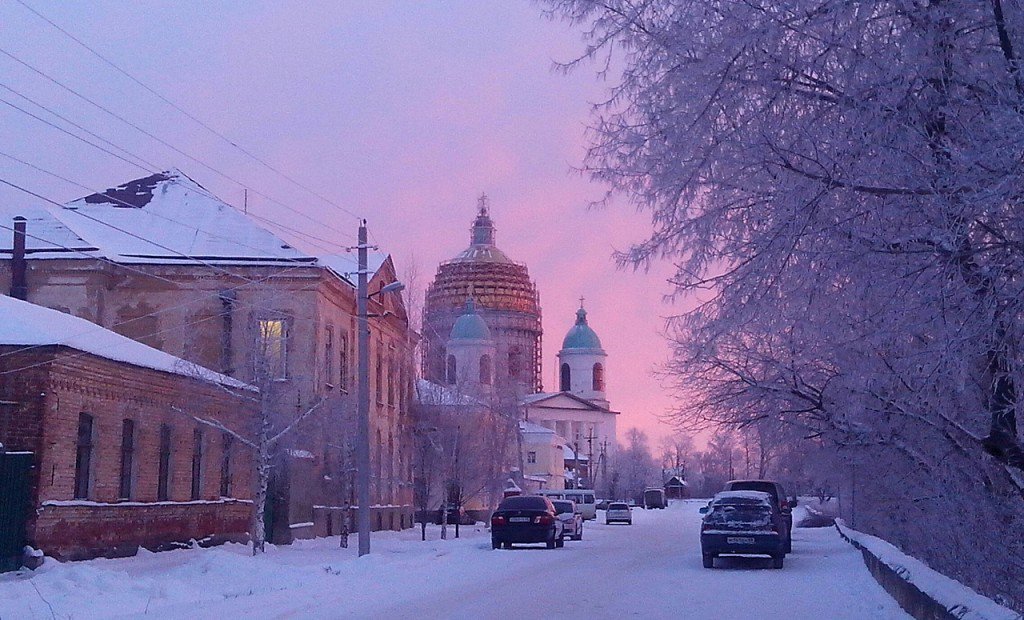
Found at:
<point>19,283</point>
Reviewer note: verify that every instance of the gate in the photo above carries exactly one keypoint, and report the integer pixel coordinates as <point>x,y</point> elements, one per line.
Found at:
<point>15,468</point>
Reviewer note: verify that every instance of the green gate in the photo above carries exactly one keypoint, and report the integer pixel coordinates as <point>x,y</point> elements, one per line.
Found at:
<point>15,468</point>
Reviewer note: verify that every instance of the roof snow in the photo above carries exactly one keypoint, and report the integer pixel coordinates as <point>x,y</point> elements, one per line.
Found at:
<point>429,393</point>
<point>169,218</point>
<point>27,324</point>
<point>347,267</point>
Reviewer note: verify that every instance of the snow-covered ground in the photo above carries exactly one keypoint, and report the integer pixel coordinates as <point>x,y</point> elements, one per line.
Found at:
<point>650,569</point>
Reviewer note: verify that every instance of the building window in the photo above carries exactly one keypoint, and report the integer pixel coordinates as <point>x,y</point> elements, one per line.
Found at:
<point>197,463</point>
<point>127,456</point>
<point>531,457</point>
<point>227,442</point>
<point>329,358</point>
<point>343,361</point>
<point>450,368</point>
<point>273,347</point>
<point>565,379</point>
<point>380,374</point>
<point>163,484</point>
<point>515,363</point>
<point>485,369</point>
<point>391,379</point>
<point>83,457</point>
<point>598,378</point>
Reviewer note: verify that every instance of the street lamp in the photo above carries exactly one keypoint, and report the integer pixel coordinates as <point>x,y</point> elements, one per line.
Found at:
<point>363,402</point>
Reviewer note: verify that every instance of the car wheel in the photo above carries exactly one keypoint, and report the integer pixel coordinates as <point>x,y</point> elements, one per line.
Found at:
<point>495,543</point>
<point>709,560</point>
<point>777,561</point>
<point>560,543</point>
<point>552,541</point>
<point>789,545</point>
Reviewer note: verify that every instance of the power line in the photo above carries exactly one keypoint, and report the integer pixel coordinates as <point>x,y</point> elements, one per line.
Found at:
<point>158,139</point>
<point>127,204</point>
<point>148,167</point>
<point>186,113</point>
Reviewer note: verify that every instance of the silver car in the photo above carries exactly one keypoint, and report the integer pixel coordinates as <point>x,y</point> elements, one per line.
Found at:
<point>618,512</point>
<point>570,517</point>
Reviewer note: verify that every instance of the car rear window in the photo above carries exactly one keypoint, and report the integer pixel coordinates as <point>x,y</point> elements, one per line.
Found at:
<point>753,515</point>
<point>753,485</point>
<point>523,502</point>
<point>562,506</point>
<point>618,506</point>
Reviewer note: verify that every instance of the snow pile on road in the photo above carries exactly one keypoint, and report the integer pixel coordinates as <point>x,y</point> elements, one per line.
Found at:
<point>961,600</point>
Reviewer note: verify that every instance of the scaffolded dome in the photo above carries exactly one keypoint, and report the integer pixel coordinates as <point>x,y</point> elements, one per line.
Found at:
<point>507,301</point>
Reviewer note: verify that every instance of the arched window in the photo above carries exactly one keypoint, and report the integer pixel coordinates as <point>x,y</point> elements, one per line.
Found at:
<point>485,369</point>
<point>452,377</point>
<point>598,378</point>
<point>565,377</point>
<point>515,362</point>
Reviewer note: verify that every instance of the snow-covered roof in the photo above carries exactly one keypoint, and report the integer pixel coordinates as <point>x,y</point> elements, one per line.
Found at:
<point>27,324</point>
<point>533,399</point>
<point>169,218</point>
<point>45,235</point>
<point>429,393</point>
<point>346,266</point>
<point>537,429</point>
<point>571,455</point>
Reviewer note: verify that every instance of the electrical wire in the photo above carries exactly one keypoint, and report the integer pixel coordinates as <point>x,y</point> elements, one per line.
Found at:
<point>158,139</point>
<point>187,114</point>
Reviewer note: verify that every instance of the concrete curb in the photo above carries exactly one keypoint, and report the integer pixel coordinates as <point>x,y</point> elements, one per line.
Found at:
<point>897,576</point>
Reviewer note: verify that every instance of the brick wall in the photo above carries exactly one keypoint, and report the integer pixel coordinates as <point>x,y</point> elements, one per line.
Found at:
<point>69,383</point>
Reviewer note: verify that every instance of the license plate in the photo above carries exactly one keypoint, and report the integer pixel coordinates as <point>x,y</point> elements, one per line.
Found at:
<point>522,520</point>
<point>739,540</point>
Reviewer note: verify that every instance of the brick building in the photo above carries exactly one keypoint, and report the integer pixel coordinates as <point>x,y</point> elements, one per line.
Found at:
<point>162,261</point>
<point>118,459</point>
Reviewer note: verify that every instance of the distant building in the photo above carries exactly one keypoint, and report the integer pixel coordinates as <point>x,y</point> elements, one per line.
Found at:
<point>543,457</point>
<point>117,459</point>
<point>506,299</point>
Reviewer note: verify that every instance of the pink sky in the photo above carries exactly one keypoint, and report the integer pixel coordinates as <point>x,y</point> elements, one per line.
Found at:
<point>403,112</point>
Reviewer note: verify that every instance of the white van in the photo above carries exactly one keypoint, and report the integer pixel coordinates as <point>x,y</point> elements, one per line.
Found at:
<point>586,500</point>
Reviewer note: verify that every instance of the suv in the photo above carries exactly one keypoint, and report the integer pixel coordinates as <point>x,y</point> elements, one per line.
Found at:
<point>780,501</point>
<point>742,523</point>
<point>618,512</point>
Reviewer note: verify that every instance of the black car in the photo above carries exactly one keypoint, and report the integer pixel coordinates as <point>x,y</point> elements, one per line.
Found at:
<point>742,523</point>
<point>526,519</point>
<point>782,503</point>
<point>456,514</point>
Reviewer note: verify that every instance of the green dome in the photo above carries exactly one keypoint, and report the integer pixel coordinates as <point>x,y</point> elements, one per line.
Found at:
<point>470,325</point>
<point>580,335</point>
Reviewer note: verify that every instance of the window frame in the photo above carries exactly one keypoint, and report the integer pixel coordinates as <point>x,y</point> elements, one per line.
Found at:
<point>126,476</point>
<point>84,443</point>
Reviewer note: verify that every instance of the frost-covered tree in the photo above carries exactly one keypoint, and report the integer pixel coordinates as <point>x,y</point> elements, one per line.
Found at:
<point>840,184</point>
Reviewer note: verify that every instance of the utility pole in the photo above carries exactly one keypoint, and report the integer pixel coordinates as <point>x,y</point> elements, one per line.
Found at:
<point>363,405</point>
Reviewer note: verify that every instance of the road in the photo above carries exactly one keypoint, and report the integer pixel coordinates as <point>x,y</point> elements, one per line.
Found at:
<point>651,569</point>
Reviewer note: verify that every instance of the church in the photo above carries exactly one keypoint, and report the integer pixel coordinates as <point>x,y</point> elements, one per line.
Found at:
<point>482,338</point>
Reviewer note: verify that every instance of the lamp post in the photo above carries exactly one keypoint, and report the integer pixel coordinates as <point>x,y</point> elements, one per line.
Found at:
<point>363,404</point>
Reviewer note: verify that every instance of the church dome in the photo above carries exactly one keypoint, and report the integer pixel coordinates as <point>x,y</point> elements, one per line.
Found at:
<point>580,335</point>
<point>470,325</point>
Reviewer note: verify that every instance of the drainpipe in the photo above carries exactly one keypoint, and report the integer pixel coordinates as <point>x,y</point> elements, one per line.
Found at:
<point>19,283</point>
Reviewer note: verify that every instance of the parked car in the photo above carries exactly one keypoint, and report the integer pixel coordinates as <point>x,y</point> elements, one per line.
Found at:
<point>456,514</point>
<point>570,517</point>
<point>602,504</point>
<point>654,498</point>
<point>526,519</point>
<point>619,512</point>
<point>586,503</point>
<point>742,523</point>
<point>780,501</point>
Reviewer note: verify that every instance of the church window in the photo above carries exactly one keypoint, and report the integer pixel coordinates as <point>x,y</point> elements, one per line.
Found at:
<point>565,379</point>
<point>515,363</point>
<point>451,370</point>
<point>485,369</point>
<point>598,378</point>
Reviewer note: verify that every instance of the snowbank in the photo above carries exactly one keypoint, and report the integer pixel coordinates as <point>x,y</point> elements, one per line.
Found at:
<point>921,591</point>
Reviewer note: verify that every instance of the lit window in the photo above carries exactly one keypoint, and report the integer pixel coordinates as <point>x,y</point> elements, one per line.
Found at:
<point>273,347</point>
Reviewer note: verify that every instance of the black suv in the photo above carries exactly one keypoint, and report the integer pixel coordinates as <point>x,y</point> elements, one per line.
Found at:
<point>742,523</point>
<point>780,501</point>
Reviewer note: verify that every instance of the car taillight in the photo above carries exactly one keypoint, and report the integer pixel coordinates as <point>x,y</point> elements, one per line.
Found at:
<point>544,520</point>
<point>497,520</point>
<point>704,527</point>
